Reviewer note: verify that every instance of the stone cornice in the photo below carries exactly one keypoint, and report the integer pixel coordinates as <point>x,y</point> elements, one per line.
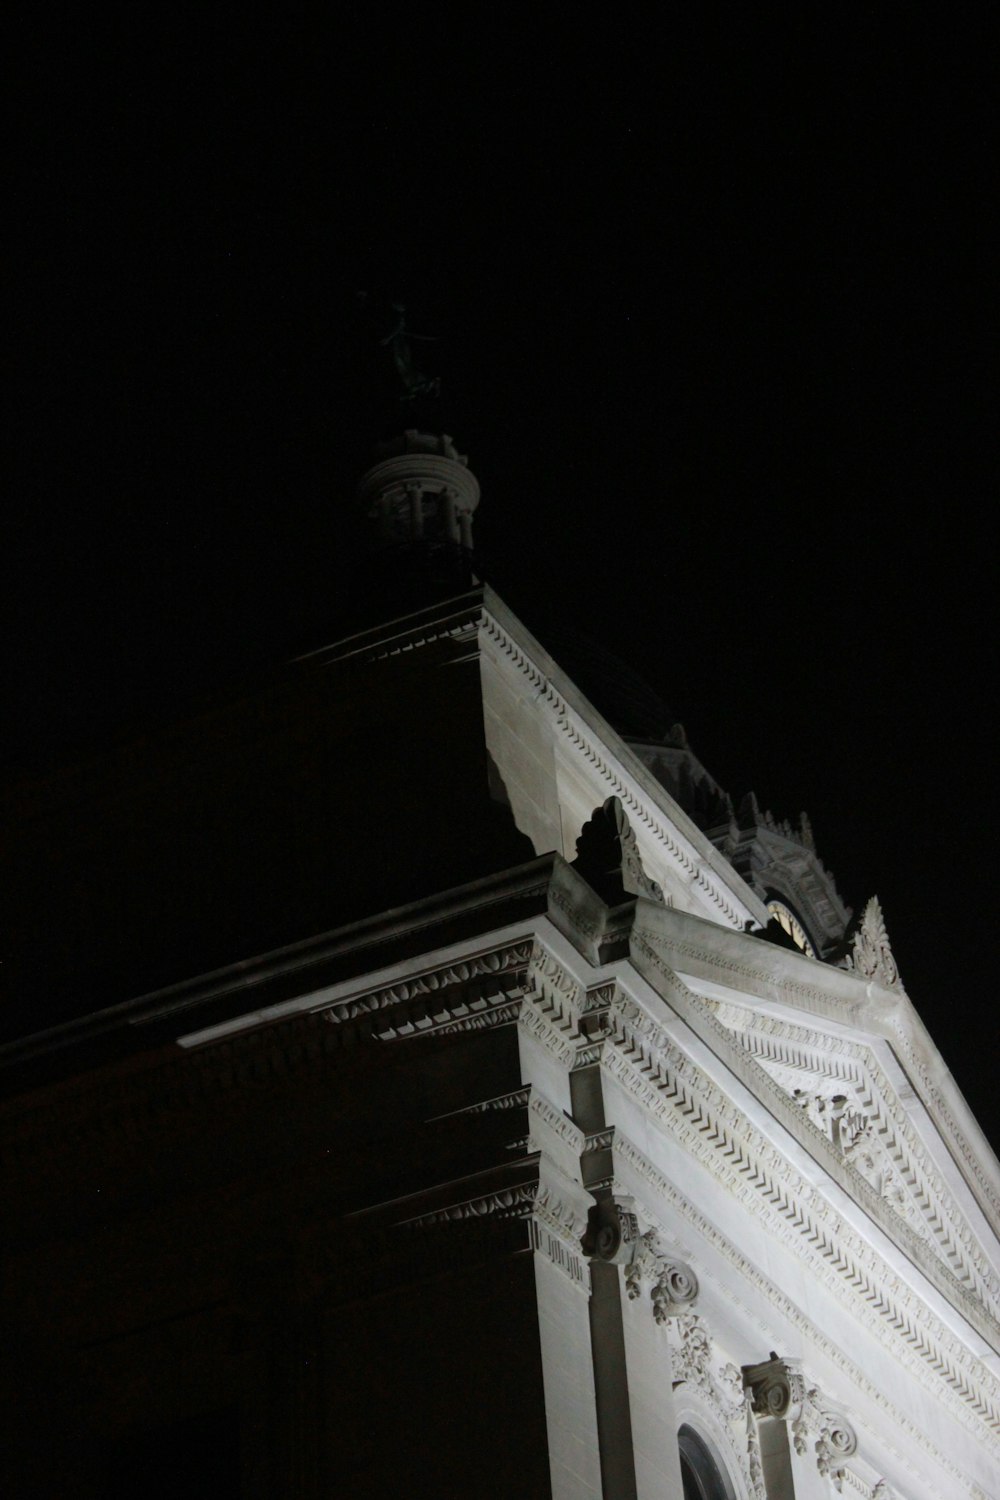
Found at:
<point>784,1047</point>
<point>775,975</point>
<point>472,993</point>
<point>925,1256</point>
<point>445,620</point>
<point>532,1190</point>
<point>271,986</point>
<point>686,850</point>
<point>481,989</point>
<point>756,1078</point>
<point>674,1090</point>
<point>664,1204</point>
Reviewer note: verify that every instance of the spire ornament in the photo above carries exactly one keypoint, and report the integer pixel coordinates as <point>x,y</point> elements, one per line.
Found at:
<point>871,954</point>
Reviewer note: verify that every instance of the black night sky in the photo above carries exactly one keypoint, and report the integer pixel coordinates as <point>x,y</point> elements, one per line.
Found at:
<point>715,314</point>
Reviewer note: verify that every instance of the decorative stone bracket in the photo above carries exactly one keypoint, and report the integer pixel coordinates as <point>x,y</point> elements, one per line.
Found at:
<point>613,1236</point>
<point>778,1389</point>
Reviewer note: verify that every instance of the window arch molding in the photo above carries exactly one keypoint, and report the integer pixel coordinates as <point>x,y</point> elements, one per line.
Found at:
<point>704,1477</point>
<point>699,1418</point>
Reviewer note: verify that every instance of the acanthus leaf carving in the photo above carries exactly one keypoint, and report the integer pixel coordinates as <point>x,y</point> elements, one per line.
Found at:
<point>871,954</point>
<point>721,1387</point>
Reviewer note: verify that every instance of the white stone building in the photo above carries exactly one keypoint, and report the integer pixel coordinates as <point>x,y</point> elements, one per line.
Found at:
<point>644,1202</point>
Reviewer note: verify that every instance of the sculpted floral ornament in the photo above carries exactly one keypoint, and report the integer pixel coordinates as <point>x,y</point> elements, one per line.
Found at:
<point>871,955</point>
<point>721,1387</point>
<point>693,1354</point>
<point>674,1285</point>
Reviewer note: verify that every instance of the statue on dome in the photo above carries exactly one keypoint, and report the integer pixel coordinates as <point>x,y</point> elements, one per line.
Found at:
<point>399,340</point>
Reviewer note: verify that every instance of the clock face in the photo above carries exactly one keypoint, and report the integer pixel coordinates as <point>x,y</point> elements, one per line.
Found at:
<point>790,922</point>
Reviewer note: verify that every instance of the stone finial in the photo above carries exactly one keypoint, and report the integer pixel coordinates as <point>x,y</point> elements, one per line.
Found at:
<point>871,955</point>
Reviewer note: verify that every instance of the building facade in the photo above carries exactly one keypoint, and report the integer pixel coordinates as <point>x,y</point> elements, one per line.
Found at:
<point>548,1127</point>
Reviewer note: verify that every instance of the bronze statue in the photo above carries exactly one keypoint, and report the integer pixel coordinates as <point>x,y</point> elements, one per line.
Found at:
<point>399,337</point>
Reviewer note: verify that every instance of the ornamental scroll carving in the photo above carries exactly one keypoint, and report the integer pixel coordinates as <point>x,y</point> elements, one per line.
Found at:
<point>613,1236</point>
<point>778,1389</point>
<point>871,955</point>
<point>607,854</point>
<point>718,1389</point>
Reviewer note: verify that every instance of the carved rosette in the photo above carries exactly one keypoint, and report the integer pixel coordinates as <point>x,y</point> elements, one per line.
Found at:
<point>835,1442</point>
<point>778,1390</point>
<point>674,1290</point>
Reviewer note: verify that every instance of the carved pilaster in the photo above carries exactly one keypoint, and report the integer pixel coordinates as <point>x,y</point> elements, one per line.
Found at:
<point>755,1464</point>
<point>777,1387</point>
<point>613,1236</point>
<point>612,1232</point>
<point>779,1390</point>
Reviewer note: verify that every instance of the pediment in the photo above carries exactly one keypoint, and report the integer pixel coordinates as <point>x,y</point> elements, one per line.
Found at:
<point>843,1087</point>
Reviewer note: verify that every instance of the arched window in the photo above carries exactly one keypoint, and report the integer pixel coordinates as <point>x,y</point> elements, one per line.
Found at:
<point>703,1479</point>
